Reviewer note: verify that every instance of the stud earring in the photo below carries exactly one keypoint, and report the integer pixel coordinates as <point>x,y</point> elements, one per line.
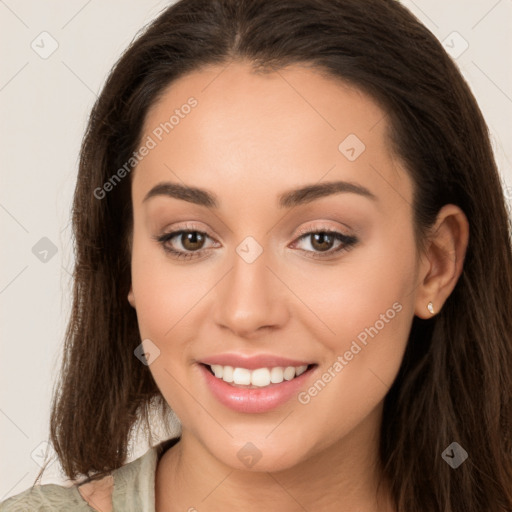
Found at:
<point>430,307</point>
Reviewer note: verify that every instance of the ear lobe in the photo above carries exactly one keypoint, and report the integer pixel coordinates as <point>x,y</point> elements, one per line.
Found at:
<point>131,297</point>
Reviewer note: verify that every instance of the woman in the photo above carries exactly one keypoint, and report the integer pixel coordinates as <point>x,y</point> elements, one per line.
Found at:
<point>290,231</point>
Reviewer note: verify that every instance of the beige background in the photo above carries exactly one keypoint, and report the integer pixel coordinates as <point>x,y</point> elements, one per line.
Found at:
<point>44,105</point>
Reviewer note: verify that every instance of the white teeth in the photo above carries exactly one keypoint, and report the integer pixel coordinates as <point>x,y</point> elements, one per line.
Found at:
<point>218,370</point>
<point>242,376</point>
<point>289,373</point>
<point>300,370</point>
<point>227,374</point>
<point>276,375</point>
<point>261,377</point>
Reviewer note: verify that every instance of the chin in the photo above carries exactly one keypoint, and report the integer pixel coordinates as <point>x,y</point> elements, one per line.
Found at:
<point>259,456</point>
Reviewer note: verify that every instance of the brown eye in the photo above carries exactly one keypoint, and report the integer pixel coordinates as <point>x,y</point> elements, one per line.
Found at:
<point>183,244</point>
<point>192,240</point>
<point>325,243</point>
<point>322,241</point>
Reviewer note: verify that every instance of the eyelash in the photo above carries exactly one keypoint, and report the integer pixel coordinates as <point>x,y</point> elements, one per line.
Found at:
<point>348,243</point>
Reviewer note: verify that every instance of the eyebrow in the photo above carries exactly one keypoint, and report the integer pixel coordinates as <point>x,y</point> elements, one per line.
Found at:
<point>288,199</point>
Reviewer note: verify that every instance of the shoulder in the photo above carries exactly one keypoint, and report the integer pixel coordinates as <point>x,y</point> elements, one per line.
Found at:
<point>46,498</point>
<point>92,495</point>
<point>130,487</point>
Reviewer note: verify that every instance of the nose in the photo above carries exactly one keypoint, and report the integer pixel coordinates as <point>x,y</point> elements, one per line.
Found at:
<point>251,299</point>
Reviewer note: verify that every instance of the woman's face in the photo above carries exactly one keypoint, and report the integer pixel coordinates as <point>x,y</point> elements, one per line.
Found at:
<point>254,290</point>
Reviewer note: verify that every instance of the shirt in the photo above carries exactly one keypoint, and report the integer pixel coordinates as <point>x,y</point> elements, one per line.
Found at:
<point>134,489</point>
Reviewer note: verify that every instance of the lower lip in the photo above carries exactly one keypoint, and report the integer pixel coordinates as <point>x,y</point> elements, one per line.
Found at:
<point>254,400</point>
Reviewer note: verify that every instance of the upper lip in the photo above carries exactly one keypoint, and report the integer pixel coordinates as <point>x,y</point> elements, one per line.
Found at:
<point>252,362</point>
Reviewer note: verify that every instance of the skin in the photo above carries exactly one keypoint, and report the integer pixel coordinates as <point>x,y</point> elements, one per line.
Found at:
<point>250,138</point>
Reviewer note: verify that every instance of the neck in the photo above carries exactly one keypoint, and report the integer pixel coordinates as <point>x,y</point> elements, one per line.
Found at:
<point>343,476</point>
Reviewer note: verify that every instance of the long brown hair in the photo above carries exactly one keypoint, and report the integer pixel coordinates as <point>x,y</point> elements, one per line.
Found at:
<point>455,381</point>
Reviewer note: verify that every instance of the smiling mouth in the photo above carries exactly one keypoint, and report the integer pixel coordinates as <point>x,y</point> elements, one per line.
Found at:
<point>258,378</point>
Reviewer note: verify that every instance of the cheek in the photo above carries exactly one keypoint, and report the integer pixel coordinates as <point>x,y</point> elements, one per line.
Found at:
<point>165,297</point>
<point>368,308</point>
<point>165,293</point>
<point>366,289</point>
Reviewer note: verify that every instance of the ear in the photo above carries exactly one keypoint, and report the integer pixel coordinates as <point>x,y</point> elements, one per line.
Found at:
<point>441,264</point>
<point>131,297</point>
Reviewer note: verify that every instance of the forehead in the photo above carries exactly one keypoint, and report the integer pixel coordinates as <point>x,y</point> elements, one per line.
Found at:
<point>276,130</point>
